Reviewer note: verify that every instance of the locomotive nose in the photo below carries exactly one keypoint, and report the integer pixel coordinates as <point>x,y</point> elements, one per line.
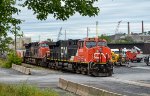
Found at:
<point>97,54</point>
<point>100,49</point>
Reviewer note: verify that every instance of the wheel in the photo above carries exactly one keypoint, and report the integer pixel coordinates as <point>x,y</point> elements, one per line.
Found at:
<point>78,70</point>
<point>110,73</point>
<point>147,63</point>
<point>49,65</point>
<point>138,61</point>
<point>120,63</point>
<point>115,64</point>
<point>83,71</point>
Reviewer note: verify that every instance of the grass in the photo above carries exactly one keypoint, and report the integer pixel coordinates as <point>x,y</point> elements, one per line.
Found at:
<point>24,90</point>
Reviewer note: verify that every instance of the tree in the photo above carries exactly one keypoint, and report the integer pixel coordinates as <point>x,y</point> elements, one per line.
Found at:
<point>4,42</point>
<point>7,22</point>
<point>61,9</point>
<point>107,38</point>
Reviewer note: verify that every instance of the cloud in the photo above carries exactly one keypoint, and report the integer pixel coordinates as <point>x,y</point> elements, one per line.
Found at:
<point>111,12</point>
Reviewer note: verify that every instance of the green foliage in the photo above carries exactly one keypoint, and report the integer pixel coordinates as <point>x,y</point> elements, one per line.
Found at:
<point>13,59</point>
<point>24,90</point>
<point>4,42</point>
<point>2,62</point>
<point>7,22</point>
<point>61,9</point>
<point>107,38</point>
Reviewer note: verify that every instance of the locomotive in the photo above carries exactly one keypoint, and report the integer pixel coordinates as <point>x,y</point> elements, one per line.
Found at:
<point>88,56</point>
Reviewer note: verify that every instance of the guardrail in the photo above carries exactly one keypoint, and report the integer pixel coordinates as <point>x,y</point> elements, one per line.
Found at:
<point>21,69</point>
<point>84,90</point>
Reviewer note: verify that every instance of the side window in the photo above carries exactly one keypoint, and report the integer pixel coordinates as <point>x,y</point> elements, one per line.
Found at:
<point>75,42</point>
<point>69,43</point>
<point>81,44</point>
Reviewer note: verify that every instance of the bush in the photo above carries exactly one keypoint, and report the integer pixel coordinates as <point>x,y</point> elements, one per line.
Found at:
<point>2,62</point>
<point>12,58</point>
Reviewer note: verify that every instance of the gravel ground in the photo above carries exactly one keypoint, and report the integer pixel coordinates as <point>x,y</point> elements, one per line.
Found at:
<point>130,81</point>
<point>38,78</point>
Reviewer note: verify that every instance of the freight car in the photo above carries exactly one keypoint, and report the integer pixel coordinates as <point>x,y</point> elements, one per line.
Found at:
<point>89,56</point>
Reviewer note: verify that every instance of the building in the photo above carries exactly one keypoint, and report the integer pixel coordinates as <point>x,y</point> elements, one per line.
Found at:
<point>20,43</point>
<point>136,37</point>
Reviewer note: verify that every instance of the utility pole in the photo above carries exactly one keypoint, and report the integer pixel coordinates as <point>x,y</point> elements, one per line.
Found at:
<point>87,32</point>
<point>96,28</point>
<point>15,39</point>
<point>65,34</point>
<point>59,34</point>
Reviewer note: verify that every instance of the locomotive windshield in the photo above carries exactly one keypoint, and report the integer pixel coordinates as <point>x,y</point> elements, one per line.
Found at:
<point>90,44</point>
<point>43,45</point>
<point>102,43</point>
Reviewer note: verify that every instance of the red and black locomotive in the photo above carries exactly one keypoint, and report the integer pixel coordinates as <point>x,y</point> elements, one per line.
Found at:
<point>88,56</point>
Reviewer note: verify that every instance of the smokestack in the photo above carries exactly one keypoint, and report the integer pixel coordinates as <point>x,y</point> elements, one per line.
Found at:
<point>128,28</point>
<point>142,27</point>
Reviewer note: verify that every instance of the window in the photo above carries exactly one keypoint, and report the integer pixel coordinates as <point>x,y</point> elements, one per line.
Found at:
<point>90,44</point>
<point>102,43</point>
<point>116,52</point>
<point>81,44</point>
<point>75,42</point>
<point>43,45</point>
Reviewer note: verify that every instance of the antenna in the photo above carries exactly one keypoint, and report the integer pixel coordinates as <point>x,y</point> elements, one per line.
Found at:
<point>96,28</point>
<point>87,32</point>
<point>39,38</point>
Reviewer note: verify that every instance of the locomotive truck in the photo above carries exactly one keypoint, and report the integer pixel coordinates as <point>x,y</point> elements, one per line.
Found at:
<point>89,56</point>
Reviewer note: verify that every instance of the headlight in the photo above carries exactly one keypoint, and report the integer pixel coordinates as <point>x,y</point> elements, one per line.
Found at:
<point>97,51</point>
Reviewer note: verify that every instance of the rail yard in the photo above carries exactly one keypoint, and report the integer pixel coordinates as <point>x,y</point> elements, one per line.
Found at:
<point>104,53</point>
<point>122,71</point>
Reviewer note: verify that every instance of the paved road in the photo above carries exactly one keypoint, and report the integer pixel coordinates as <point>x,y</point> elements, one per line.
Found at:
<point>132,81</point>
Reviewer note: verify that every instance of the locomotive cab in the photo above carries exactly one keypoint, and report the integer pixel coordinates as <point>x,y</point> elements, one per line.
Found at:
<point>93,50</point>
<point>36,53</point>
<point>43,49</point>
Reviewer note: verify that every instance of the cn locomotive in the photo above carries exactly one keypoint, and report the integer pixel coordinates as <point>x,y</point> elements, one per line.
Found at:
<point>88,56</point>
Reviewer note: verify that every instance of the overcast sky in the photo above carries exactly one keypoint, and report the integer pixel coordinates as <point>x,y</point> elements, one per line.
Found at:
<point>111,11</point>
